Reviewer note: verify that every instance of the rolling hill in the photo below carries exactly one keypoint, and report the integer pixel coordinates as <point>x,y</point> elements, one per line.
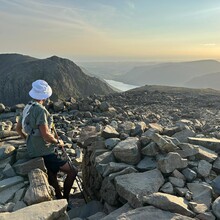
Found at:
<point>206,81</point>
<point>172,74</point>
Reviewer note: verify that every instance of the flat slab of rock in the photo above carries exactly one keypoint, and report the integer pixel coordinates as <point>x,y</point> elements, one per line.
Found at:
<point>5,134</point>
<point>206,154</point>
<point>183,135</point>
<point>8,171</point>
<point>202,193</point>
<point>86,210</point>
<point>187,150</point>
<point>210,143</point>
<point>169,203</point>
<point>5,161</point>
<point>151,213</point>
<point>127,170</point>
<point>114,167</point>
<point>105,158</point>
<point>26,167</point>
<point>132,187</point>
<point>10,182</point>
<point>96,216</point>
<point>113,215</point>
<point>8,193</point>
<point>43,211</point>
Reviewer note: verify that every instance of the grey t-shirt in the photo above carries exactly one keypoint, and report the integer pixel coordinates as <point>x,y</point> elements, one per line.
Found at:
<point>36,145</point>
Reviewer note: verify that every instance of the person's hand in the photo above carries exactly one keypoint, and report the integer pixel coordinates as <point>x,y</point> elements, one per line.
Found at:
<point>61,143</point>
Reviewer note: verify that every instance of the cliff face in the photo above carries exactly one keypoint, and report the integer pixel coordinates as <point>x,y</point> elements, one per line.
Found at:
<point>65,77</point>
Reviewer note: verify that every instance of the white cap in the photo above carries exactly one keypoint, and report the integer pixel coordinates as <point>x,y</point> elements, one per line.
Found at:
<point>40,90</point>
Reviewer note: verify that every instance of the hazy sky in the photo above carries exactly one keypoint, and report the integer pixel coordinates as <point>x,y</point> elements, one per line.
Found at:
<point>84,30</point>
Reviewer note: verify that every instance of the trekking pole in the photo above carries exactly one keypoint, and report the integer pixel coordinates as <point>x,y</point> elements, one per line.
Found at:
<point>78,180</point>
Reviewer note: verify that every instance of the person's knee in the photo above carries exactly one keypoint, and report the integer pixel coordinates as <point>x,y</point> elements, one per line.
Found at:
<point>69,170</point>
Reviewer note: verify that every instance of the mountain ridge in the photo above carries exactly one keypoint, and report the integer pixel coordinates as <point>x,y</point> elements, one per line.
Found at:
<point>173,74</point>
<point>210,80</point>
<point>64,76</point>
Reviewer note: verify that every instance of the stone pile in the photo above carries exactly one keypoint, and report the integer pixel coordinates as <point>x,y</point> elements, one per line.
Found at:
<point>147,155</point>
<point>154,169</point>
<point>24,189</point>
<point>156,162</point>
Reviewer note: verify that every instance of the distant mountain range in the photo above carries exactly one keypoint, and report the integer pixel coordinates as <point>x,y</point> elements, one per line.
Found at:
<point>194,74</point>
<point>17,72</point>
<point>110,70</point>
<point>211,80</point>
<point>172,74</point>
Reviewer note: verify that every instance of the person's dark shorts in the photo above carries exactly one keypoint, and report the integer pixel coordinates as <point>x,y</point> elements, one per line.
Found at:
<point>53,162</point>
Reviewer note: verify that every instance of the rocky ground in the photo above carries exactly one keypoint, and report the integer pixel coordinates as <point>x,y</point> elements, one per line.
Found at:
<point>151,153</point>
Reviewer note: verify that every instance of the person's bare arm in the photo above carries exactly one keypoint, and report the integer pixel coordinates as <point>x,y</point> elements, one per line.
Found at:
<point>19,130</point>
<point>48,137</point>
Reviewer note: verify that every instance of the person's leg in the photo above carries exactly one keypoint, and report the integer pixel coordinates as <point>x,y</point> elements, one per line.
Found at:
<point>52,170</point>
<point>68,183</point>
<point>52,179</point>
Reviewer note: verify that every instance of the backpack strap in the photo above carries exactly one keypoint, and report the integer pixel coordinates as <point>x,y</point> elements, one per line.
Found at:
<point>26,112</point>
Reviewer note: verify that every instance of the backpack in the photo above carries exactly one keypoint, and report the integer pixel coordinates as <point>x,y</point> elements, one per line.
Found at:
<point>26,121</point>
<point>26,118</point>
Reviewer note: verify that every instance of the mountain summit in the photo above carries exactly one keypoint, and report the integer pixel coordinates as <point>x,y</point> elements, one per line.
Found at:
<point>64,76</point>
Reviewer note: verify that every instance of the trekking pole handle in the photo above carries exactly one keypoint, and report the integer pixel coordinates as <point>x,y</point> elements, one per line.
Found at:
<point>56,135</point>
<point>55,132</point>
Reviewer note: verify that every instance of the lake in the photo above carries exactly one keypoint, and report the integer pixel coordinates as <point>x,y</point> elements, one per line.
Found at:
<point>120,85</point>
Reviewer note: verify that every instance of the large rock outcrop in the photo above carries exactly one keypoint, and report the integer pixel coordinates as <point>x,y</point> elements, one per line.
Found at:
<point>64,76</point>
